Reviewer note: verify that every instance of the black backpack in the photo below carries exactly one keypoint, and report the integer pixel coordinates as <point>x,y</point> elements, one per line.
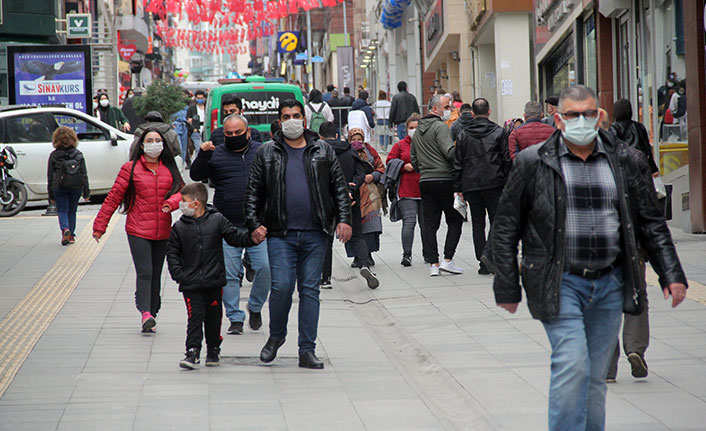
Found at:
<point>70,173</point>
<point>681,107</point>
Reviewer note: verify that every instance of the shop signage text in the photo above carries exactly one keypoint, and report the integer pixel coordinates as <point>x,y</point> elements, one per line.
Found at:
<point>551,13</point>
<point>434,26</point>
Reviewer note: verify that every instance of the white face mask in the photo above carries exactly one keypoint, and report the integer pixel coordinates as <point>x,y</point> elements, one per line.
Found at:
<point>293,128</point>
<point>410,132</point>
<point>186,209</point>
<point>446,116</point>
<point>104,103</point>
<point>580,131</point>
<point>153,149</point>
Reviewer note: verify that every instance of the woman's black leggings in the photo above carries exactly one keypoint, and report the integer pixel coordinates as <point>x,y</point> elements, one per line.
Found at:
<point>148,258</point>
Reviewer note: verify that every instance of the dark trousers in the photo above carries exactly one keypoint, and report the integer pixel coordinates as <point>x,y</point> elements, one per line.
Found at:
<point>357,245</point>
<point>480,202</point>
<point>204,309</point>
<point>66,206</point>
<point>438,198</point>
<point>148,258</point>
<point>636,333</point>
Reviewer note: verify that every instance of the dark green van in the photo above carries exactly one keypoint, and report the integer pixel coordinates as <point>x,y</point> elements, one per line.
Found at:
<point>260,96</point>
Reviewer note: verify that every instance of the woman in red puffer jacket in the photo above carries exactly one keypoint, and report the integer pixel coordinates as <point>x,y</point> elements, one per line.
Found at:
<point>410,203</point>
<point>147,188</point>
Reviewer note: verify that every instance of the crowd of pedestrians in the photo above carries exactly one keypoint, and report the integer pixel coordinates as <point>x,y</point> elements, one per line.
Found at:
<point>568,186</point>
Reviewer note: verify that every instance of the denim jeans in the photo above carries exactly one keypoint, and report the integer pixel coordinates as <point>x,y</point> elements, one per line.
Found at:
<point>411,210</point>
<point>196,139</point>
<point>401,131</point>
<point>296,259</point>
<point>234,277</point>
<point>583,340</point>
<point>384,136</point>
<point>182,131</point>
<point>66,206</point>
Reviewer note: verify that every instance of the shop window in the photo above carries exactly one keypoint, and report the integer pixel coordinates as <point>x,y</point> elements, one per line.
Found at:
<point>589,50</point>
<point>560,69</point>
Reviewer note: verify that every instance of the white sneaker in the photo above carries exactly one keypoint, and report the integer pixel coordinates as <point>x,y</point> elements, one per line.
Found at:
<point>434,270</point>
<point>450,267</point>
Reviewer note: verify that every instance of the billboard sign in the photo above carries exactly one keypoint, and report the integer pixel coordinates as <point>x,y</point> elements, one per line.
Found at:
<point>78,25</point>
<point>287,41</point>
<point>50,74</point>
<point>346,67</point>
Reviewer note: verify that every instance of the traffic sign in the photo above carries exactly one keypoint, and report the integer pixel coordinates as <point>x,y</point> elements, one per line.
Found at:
<point>317,59</point>
<point>78,25</point>
<point>287,41</point>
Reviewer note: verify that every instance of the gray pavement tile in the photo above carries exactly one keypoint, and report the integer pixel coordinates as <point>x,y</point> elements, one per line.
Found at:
<point>396,415</point>
<point>683,411</point>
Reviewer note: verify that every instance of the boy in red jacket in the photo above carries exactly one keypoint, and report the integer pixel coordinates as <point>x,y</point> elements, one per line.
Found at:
<point>195,261</point>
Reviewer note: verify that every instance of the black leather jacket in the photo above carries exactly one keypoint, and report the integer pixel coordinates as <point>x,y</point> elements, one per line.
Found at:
<point>265,198</point>
<point>533,209</point>
<point>195,250</point>
<point>481,161</point>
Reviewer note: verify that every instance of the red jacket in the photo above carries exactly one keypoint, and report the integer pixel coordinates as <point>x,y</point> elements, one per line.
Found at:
<point>530,133</point>
<point>145,219</point>
<point>409,184</point>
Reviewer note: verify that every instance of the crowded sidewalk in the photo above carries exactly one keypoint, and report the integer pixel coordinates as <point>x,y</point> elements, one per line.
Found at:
<point>418,353</point>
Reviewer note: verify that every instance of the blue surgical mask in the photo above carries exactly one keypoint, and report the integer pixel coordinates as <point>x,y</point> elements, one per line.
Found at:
<point>200,101</point>
<point>580,131</point>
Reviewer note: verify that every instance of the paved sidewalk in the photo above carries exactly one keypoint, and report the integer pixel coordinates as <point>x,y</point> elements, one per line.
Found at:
<point>419,353</point>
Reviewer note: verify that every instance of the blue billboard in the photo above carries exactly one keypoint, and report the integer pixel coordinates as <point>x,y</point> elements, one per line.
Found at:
<point>50,75</point>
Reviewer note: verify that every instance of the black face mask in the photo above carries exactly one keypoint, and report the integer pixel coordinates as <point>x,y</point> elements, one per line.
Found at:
<point>237,142</point>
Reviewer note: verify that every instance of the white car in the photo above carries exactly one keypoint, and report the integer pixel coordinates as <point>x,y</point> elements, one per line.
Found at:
<point>29,131</point>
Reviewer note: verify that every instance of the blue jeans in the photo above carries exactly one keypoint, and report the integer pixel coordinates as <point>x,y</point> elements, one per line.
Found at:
<point>384,137</point>
<point>182,131</point>
<point>401,131</point>
<point>196,139</point>
<point>296,259</point>
<point>66,206</point>
<point>583,340</point>
<point>234,277</point>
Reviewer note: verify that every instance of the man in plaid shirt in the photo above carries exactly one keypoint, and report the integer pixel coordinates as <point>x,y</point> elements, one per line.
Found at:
<point>580,202</point>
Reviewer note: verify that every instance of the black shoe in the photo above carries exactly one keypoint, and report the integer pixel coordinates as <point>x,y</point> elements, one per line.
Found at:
<point>254,320</point>
<point>309,360</point>
<point>355,264</point>
<point>406,261</point>
<point>368,275</point>
<point>213,357</point>
<point>269,351</point>
<point>249,272</point>
<point>236,328</point>
<point>483,270</point>
<point>325,283</point>
<point>638,364</point>
<point>191,360</point>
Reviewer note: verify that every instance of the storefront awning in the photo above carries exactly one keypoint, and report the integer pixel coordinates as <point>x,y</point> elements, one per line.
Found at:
<point>392,11</point>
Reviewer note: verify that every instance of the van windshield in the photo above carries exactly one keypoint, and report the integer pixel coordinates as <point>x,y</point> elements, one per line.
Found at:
<point>261,107</point>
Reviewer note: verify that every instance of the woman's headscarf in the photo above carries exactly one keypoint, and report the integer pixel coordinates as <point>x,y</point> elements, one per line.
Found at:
<point>356,131</point>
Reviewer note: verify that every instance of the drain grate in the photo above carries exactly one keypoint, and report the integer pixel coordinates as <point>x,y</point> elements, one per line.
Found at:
<point>254,361</point>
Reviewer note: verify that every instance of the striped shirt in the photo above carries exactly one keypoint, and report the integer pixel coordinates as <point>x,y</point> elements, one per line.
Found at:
<point>592,236</point>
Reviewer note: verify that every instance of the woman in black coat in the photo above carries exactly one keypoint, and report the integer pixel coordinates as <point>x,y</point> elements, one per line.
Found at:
<point>631,132</point>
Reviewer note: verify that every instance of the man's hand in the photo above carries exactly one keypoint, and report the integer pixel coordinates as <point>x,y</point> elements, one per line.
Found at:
<point>369,178</point>
<point>126,126</point>
<point>678,292</point>
<point>259,234</point>
<point>208,146</point>
<point>511,307</point>
<point>344,232</point>
<point>408,167</point>
<point>97,236</point>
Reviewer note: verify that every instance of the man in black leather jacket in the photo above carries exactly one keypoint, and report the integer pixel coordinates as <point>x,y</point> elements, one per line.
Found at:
<point>580,263</point>
<point>297,195</point>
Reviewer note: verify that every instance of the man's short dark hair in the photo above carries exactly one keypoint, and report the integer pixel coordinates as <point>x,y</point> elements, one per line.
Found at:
<point>327,130</point>
<point>552,100</point>
<point>196,191</point>
<point>330,88</point>
<point>232,99</point>
<point>466,108</point>
<point>200,93</point>
<point>363,95</point>
<point>622,110</point>
<point>401,86</point>
<point>346,90</point>
<point>290,103</point>
<point>480,106</point>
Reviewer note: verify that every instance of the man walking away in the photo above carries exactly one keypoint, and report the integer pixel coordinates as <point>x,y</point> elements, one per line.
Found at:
<point>480,171</point>
<point>581,203</point>
<point>403,105</point>
<point>298,197</point>
<point>328,94</point>
<point>432,155</point>
<point>532,131</point>
<point>355,170</point>
<point>463,120</point>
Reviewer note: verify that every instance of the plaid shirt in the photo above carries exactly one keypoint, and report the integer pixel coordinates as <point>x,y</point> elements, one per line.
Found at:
<point>592,235</point>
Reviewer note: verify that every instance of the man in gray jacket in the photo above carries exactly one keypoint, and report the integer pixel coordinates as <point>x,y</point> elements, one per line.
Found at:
<point>432,156</point>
